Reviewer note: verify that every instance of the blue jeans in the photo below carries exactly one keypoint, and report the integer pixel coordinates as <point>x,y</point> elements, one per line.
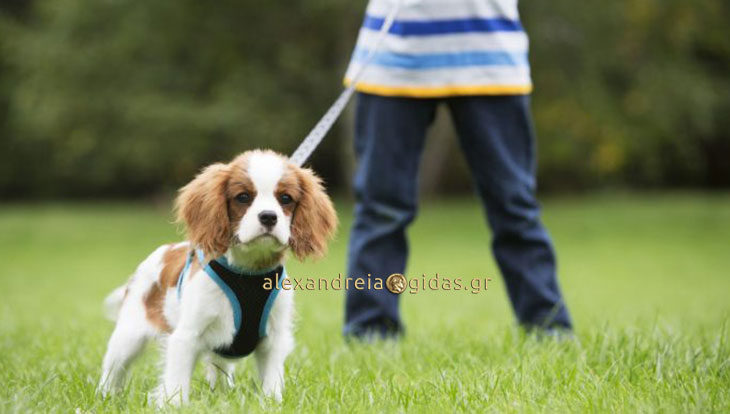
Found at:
<point>497,138</point>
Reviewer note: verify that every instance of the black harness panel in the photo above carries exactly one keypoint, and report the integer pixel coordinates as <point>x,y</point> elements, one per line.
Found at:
<point>252,298</point>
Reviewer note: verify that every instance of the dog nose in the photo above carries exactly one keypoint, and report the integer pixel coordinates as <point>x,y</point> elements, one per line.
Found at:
<point>267,218</point>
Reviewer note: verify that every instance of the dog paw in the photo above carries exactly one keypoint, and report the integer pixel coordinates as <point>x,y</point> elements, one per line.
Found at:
<point>105,389</point>
<point>156,398</point>
<point>211,377</point>
<point>273,391</point>
<point>160,399</point>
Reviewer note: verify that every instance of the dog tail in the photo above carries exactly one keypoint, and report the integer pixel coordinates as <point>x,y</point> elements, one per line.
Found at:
<point>113,303</point>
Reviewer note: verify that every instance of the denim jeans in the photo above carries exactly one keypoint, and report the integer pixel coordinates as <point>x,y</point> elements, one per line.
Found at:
<point>497,138</point>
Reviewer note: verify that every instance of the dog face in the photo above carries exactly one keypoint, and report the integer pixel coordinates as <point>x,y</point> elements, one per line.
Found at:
<point>256,206</point>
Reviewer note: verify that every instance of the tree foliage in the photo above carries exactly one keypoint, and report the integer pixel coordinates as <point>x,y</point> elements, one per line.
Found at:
<point>129,97</point>
<point>632,92</point>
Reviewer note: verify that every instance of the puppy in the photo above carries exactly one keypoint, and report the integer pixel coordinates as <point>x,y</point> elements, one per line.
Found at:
<point>214,296</point>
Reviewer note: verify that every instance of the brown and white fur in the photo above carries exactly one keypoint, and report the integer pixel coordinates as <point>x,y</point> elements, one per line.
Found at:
<point>222,210</point>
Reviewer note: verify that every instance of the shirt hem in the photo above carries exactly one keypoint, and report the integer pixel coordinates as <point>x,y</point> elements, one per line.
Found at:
<point>441,91</point>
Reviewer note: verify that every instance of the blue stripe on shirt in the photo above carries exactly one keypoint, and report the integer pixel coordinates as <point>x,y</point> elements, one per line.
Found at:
<point>440,27</point>
<point>444,60</point>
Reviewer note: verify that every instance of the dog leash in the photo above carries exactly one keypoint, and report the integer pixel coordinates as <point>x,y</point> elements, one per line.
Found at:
<point>315,136</point>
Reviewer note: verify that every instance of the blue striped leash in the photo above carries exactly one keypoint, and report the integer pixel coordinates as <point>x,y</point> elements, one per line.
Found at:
<point>315,136</point>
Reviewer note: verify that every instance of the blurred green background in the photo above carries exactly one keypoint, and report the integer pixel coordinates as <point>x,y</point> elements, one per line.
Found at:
<point>129,98</point>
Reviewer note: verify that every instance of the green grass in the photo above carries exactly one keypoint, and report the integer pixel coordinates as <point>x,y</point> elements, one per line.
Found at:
<point>646,277</point>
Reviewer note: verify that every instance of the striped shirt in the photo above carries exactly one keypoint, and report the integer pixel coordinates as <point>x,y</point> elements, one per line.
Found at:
<point>439,48</point>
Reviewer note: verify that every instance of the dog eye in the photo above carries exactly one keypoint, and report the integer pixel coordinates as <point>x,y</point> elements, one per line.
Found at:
<point>285,199</point>
<point>243,198</point>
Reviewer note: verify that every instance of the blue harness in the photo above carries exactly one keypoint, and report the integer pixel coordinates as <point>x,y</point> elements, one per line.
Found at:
<point>240,287</point>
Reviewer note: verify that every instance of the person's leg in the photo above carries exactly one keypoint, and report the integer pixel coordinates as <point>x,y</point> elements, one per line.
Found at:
<point>498,140</point>
<point>389,137</point>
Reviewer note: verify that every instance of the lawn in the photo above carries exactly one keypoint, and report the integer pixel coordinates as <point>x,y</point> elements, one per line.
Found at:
<point>646,278</point>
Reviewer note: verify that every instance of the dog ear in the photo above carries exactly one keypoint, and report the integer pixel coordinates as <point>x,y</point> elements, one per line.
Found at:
<point>315,220</point>
<point>203,208</point>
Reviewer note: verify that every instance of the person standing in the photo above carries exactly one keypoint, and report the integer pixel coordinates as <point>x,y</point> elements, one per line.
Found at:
<point>471,55</point>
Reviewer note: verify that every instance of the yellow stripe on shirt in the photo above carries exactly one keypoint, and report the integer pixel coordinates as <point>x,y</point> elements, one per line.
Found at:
<point>441,91</point>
